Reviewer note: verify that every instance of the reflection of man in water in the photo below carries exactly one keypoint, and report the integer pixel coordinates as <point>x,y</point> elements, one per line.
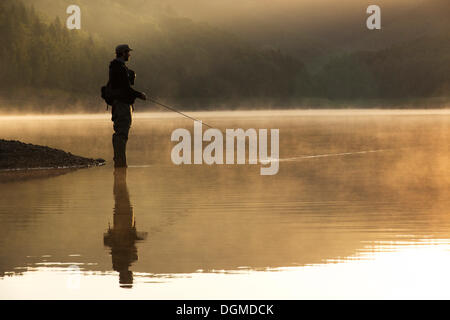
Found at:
<point>123,235</point>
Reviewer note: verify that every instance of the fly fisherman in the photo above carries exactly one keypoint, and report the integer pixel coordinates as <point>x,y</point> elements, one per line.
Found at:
<point>121,79</point>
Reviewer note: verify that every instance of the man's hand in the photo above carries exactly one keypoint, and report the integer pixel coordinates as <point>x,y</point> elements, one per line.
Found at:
<point>143,96</point>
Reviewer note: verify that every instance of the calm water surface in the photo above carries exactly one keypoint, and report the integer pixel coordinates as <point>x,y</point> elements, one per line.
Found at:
<point>359,209</point>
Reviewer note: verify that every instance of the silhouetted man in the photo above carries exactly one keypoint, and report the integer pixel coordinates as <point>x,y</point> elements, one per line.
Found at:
<point>121,79</point>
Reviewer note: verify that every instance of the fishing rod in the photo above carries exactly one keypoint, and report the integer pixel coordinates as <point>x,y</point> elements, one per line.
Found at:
<point>177,111</point>
<point>187,116</point>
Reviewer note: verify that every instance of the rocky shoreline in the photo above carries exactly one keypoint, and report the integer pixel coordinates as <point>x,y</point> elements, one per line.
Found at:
<point>20,161</point>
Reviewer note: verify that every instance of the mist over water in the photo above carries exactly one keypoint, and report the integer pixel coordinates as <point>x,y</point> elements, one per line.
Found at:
<point>353,187</point>
<point>359,207</point>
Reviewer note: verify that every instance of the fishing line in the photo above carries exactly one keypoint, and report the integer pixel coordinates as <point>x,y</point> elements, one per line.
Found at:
<point>331,155</point>
<point>272,160</point>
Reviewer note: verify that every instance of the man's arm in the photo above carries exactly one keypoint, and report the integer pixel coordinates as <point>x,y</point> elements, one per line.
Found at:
<point>119,77</point>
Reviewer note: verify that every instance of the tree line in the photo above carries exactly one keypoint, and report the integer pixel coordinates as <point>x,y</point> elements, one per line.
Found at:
<point>199,66</point>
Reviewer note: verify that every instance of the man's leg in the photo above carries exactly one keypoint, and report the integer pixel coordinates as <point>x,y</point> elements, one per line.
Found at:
<point>122,122</point>
<point>119,144</point>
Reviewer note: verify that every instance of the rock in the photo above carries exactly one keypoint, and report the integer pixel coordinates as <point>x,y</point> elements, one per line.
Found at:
<point>16,155</point>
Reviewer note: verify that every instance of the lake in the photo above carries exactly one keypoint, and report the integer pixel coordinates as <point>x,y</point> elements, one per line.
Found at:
<point>360,208</point>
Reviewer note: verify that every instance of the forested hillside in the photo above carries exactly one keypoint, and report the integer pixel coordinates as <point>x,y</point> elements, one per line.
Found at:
<point>183,61</point>
<point>196,66</point>
<point>415,69</point>
<point>39,58</point>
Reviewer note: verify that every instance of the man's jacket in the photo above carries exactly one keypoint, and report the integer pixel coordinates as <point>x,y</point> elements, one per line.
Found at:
<point>120,82</point>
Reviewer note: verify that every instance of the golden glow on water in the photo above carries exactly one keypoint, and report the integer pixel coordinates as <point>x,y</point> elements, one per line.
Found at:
<point>411,270</point>
<point>351,225</point>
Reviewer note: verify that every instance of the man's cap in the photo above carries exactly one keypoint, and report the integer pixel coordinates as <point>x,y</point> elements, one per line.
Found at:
<point>122,48</point>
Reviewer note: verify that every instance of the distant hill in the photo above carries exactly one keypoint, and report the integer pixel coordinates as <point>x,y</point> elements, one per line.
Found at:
<point>427,19</point>
<point>309,31</point>
<point>413,69</point>
<point>196,65</point>
<point>178,60</point>
<point>316,31</point>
